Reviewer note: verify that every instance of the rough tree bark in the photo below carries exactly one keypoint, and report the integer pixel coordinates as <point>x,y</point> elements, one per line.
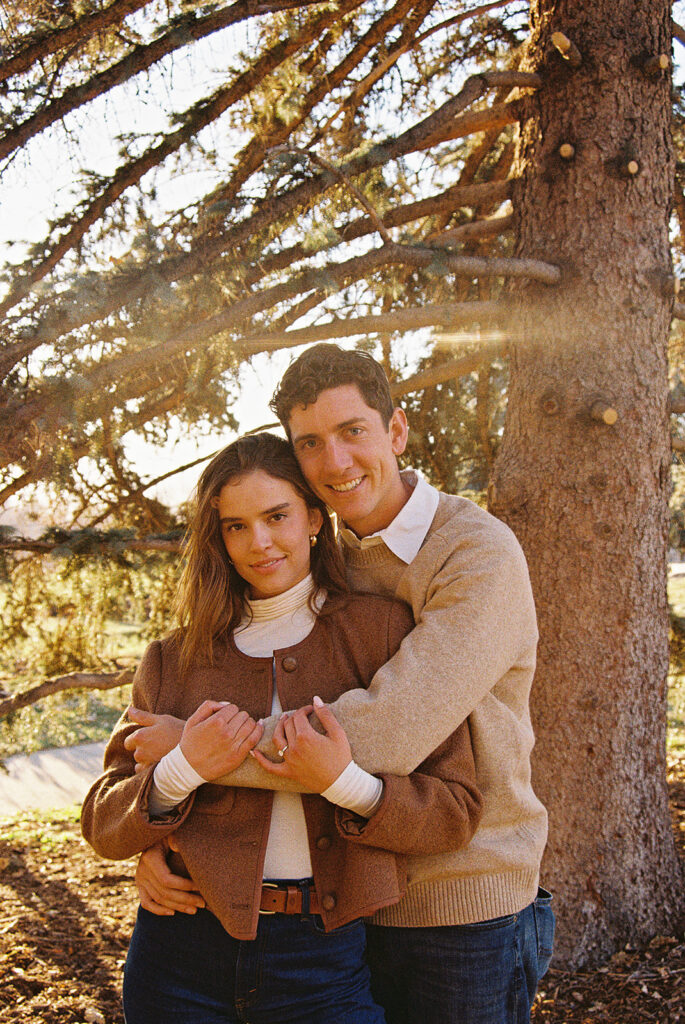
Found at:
<point>588,500</point>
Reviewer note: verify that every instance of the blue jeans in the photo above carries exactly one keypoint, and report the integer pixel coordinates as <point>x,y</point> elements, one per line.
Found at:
<point>484,973</point>
<point>187,969</point>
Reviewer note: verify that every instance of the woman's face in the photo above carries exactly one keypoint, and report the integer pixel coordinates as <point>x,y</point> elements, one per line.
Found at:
<point>266,526</point>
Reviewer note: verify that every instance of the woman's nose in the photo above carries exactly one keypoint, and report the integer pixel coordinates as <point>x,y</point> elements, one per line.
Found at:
<point>261,538</point>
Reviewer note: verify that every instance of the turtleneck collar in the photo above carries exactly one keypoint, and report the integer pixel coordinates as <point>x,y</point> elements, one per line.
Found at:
<point>289,601</point>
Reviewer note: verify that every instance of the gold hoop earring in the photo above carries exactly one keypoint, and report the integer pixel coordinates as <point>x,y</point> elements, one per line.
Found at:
<point>312,540</point>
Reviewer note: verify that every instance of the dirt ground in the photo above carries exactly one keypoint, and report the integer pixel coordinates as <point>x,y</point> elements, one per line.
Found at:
<point>66,918</point>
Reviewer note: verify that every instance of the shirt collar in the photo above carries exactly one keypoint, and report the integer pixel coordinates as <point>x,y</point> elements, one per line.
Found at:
<point>407,532</point>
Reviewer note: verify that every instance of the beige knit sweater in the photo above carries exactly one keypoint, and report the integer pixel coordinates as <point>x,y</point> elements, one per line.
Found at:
<point>471,653</point>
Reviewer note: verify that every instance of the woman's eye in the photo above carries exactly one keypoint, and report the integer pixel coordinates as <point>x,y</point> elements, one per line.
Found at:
<point>277,516</point>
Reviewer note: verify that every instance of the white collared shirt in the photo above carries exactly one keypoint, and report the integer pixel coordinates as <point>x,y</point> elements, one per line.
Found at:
<point>407,532</point>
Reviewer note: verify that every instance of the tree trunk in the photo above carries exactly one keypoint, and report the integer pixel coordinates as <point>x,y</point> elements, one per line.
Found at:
<point>588,498</point>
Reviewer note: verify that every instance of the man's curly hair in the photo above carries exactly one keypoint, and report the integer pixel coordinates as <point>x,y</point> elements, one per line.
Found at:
<point>327,366</point>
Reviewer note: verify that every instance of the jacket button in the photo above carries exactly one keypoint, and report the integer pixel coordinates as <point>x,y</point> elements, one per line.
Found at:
<point>323,843</point>
<point>290,663</point>
<point>328,902</point>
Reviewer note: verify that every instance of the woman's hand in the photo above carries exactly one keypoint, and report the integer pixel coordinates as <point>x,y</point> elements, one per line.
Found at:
<point>312,759</point>
<point>218,737</point>
<point>157,736</point>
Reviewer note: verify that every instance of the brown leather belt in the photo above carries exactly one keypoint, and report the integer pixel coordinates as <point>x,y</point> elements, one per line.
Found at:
<point>286,899</point>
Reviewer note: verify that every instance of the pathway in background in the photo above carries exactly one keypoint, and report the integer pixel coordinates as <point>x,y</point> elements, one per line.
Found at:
<point>49,778</point>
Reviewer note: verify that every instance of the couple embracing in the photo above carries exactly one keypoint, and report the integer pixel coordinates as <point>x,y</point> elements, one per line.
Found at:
<point>327,768</point>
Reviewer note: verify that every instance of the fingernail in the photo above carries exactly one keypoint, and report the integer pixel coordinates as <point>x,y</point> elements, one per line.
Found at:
<point>317,702</point>
<point>251,753</point>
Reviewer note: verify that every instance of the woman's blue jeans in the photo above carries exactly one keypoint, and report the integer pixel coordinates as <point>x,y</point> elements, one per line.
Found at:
<point>186,969</point>
<point>484,973</point>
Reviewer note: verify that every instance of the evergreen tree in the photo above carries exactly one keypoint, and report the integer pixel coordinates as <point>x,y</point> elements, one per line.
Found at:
<point>478,192</point>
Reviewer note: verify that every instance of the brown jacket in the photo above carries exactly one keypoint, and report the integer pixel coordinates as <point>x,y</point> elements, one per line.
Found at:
<point>222,832</point>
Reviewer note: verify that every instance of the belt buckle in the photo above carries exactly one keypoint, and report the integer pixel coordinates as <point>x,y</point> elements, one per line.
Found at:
<point>269,885</point>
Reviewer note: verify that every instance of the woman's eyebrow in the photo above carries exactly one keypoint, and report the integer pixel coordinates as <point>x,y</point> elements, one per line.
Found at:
<point>265,512</point>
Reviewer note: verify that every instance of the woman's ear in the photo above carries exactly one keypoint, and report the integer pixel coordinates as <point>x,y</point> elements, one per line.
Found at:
<point>315,520</point>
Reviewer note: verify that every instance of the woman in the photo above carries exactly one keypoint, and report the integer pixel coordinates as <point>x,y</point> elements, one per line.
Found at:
<point>286,879</point>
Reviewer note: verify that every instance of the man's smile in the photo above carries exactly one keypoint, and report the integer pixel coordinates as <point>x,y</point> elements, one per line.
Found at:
<point>348,486</point>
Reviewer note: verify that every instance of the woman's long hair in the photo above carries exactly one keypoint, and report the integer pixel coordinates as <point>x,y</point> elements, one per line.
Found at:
<point>210,601</point>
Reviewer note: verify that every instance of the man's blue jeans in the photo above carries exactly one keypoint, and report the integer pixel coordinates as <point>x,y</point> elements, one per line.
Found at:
<point>484,973</point>
<point>186,969</point>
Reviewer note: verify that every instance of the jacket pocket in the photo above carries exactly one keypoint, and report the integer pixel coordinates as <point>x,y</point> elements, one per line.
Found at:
<point>213,799</point>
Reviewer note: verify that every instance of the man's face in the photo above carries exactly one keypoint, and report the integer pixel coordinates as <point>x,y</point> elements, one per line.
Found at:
<point>349,458</point>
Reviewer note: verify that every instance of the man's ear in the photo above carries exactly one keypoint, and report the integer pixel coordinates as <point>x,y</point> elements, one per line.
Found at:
<point>398,428</point>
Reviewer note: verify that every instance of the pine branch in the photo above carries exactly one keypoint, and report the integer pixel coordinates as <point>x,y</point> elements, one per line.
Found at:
<point>330,278</point>
<point>73,681</point>
<point>408,40</point>
<point>139,59</point>
<point>253,154</point>
<point>412,319</point>
<point>325,165</point>
<point>81,30</point>
<point>383,64</point>
<point>450,370</point>
<point>90,542</point>
<point>72,312</point>
<point>128,499</point>
<point>198,117</point>
<point>475,231</point>
<point>270,211</point>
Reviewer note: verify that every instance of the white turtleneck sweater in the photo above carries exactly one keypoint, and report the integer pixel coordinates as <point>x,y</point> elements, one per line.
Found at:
<point>272,624</point>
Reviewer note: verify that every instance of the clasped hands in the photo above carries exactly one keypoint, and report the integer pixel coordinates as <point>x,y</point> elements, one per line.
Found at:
<point>218,737</point>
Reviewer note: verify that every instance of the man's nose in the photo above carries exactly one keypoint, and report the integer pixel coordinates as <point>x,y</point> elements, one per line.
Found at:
<point>336,457</point>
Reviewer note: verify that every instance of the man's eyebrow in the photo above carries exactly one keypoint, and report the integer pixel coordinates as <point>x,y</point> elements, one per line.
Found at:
<point>266,512</point>
<point>338,426</point>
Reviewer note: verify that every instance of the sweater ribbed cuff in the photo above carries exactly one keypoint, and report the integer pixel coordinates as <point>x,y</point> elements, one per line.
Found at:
<point>356,790</point>
<point>174,779</point>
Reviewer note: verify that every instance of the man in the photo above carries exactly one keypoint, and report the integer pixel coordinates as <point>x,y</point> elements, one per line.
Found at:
<point>471,938</point>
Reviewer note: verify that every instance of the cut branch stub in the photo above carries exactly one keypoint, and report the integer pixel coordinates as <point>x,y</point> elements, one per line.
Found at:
<point>664,282</point>
<point>676,405</point>
<point>603,412</point>
<point>679,310</point>
<point>627,164</point>
<point>656,65</point>
<point>567,151</point>
<point>567,48</point>
<point>551,403</point>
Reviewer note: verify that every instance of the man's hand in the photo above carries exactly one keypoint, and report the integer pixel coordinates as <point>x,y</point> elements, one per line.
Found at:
<point>218,737</point>
<point>157,736</point>
<point>160,890</point>
<point>312,759</point>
